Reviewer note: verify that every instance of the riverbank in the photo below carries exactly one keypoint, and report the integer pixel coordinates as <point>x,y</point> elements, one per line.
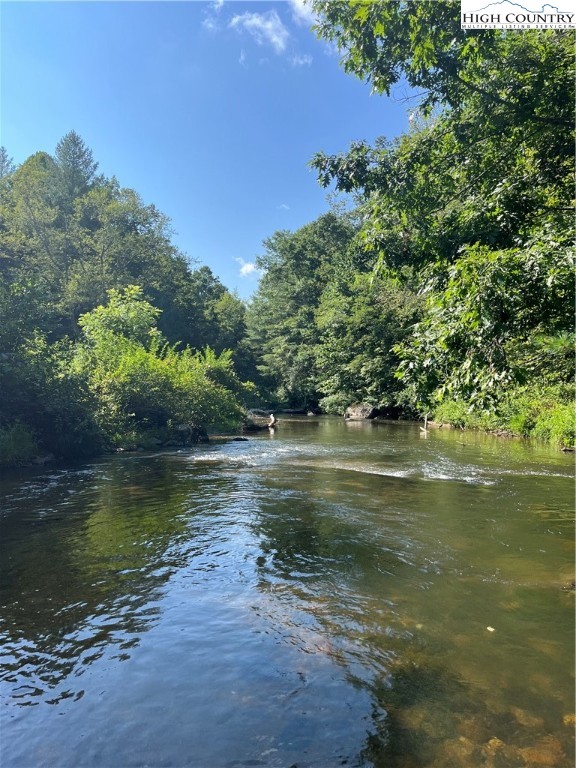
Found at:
<point>19,452</point>
<point>547,414</point>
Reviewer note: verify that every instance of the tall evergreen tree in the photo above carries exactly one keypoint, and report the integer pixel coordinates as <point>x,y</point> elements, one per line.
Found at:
<point>77,166</point>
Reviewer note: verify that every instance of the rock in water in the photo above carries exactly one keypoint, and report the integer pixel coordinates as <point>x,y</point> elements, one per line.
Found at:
<point>360,411</point>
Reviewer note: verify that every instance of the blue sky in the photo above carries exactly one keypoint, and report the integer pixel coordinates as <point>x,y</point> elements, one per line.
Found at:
<point>209,110</point>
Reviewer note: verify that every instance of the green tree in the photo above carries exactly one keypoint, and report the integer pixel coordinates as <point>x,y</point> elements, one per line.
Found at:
<point>360,323</point>
<point>475,199</point>
<point>32,211</point>
<point>281,318</point>
<point>85,356</point>
<point>7,166</point>
<point>491,160</point>
<point>143,386</point>
<point>46,399</point>
<point>77,167</point>
<point>384,41</point>
<point>126,314</point>
<point>70,236</point>
<point>118,240</point>
<point>473,341</point>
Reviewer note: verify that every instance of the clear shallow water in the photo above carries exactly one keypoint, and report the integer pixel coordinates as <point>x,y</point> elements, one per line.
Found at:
<point>334,594</point>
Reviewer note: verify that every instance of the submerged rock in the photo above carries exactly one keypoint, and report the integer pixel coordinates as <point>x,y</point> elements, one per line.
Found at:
<point>458,751</point>
<point>493,746</point>
<point>500,753</point>
<point>525,718</point>
<point>546,752</point>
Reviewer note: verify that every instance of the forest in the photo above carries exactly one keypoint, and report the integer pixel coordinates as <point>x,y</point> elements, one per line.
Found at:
<point>441,283</point>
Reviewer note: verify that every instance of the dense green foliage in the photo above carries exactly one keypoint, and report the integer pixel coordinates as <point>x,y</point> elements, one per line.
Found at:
<point>143,386</point>
<point>281,320</point>
<point>87,359</point>
<point>459,293</point>
<point>447,290</point>
<point>322,326</point>
<point>360,323</point>
<point>476,198</point>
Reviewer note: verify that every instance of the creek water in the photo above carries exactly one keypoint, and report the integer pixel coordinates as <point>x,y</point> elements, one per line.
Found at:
<point>332,594</point>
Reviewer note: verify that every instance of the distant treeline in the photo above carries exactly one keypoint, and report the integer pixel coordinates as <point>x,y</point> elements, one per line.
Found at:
<point>444,284</point>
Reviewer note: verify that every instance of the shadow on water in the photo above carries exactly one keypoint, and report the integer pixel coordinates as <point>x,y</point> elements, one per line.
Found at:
<point>85,567</point>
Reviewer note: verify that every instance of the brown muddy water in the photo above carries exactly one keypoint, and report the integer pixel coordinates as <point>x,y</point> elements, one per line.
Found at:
<point>330,595</point>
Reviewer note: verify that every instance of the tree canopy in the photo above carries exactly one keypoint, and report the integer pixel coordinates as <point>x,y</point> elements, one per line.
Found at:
<point>475,200</point>
<point>94,298</point>
<point>444,285</point>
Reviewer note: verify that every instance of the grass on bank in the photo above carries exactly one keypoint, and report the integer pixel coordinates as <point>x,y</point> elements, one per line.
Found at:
<point>543,413</point>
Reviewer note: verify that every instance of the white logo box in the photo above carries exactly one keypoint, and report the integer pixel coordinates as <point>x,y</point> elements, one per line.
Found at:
<point>483,14</point>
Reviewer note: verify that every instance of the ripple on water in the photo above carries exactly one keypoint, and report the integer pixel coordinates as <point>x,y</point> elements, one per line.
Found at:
<point>271,454</point>
<point>283,602</point>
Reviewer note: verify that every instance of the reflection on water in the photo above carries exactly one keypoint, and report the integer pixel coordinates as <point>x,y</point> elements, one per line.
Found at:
<point>329,595</point>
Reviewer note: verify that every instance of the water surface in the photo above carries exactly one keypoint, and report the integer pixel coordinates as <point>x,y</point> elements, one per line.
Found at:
<point>332,594</point>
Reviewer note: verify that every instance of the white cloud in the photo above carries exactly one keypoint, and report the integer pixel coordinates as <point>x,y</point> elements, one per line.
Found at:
<point>302,12</point>
<point>242,59</point>
<point>246,267</point>
<point>283,207</point>
<point>331,49</point>
<point>301,60</point>
<point>210,23</point>
<point>265,28</point>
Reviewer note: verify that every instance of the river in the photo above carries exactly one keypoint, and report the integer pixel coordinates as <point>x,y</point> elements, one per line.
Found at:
<point>333,594</point>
